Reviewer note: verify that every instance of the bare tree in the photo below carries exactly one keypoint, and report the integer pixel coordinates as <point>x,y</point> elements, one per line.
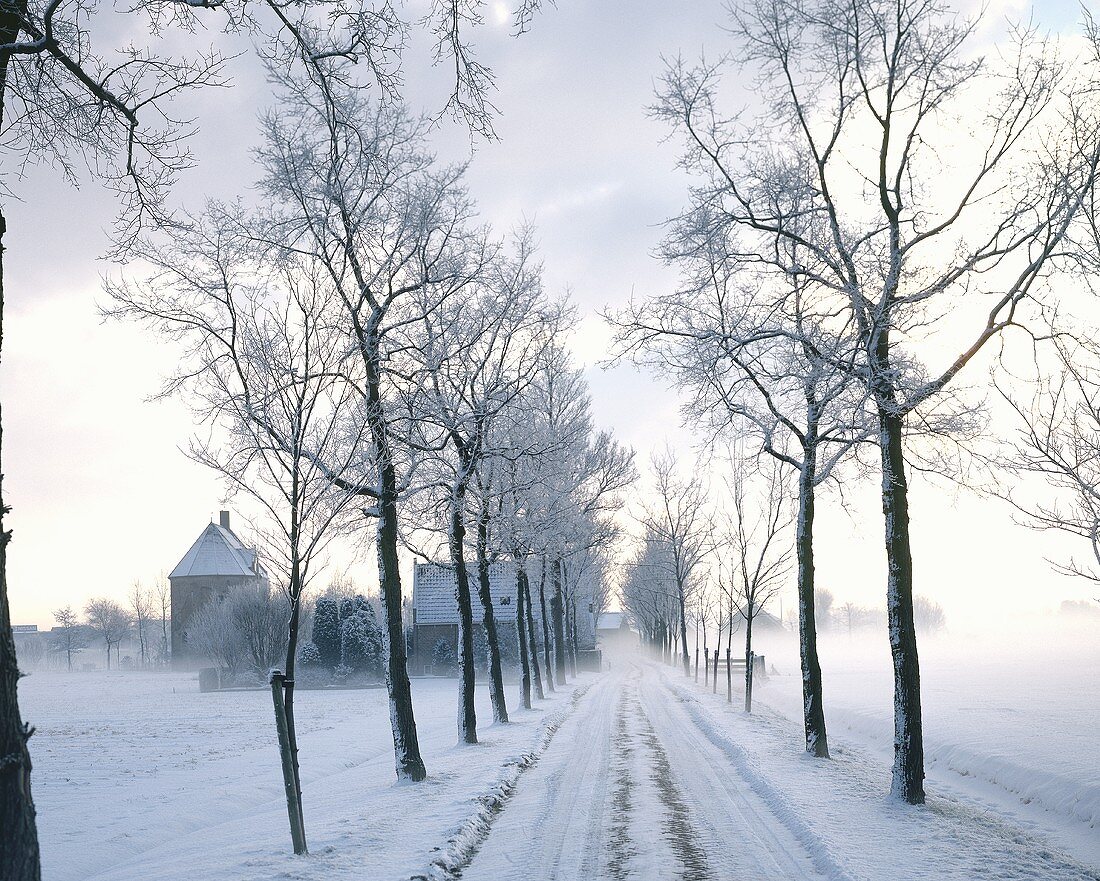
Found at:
<point>679,520</point>
<point>263,367</point>
<point>69,636</point>
<point>759,557</point>
<point>1059,441</point>
<point>66,104</point>
<point>755,360</point>
<point>109,621</point>
<point>162,593</point>
<point>480,353</point>
<point>835,196</point>
<point>649,594</point>
<point>928,615</point>
<point>141,609</point>
<point>355,198</point>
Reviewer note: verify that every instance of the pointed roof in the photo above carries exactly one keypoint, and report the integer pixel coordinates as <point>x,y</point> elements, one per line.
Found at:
<point>217,552</point>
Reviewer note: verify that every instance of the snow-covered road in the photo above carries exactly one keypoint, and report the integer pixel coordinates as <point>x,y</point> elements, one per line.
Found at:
<point>654,777</point>
<point>631,787</point>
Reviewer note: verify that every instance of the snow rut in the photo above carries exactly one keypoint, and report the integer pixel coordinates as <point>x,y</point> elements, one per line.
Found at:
<point>648,800</point>
<point>463,846</point>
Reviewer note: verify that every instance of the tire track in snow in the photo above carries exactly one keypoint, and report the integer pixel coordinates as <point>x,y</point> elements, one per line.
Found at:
<point>679,831</point>
<point>652,828</point>
<point>621,851</point>
<point>748,837</point>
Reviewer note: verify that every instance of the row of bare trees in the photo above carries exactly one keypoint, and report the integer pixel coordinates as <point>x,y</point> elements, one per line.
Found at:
<point>368,354</point>
<point>712,558</point>
<point>146,617</point>
<point>825,259</point>
<point>70,99</point>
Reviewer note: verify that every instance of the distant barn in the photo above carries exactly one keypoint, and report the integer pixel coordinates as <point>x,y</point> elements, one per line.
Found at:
<point>435,607</point>
<point>217,563</point>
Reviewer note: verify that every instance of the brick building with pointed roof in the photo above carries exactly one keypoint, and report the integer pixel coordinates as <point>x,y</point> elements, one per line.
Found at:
<point>216,563</point>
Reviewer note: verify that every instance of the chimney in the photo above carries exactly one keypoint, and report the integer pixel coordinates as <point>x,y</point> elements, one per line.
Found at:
<point>223,517</point>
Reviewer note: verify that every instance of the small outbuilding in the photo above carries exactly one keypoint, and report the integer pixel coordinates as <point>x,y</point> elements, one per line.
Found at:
<point>435,608</point>
<point>613,630</point>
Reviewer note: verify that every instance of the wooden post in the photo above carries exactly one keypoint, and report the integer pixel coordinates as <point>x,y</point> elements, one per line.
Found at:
<point>748,682</point>
<point>297,829</point>
<point>729,679</point>
<point>715,687</point>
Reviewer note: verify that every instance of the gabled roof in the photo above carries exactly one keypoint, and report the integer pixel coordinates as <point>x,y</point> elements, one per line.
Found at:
<point>434,589</point>
<point>217,552</point>
<point>611,621</point>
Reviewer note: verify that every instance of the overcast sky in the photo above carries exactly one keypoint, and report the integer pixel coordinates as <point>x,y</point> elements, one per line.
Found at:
<point>101,494</point>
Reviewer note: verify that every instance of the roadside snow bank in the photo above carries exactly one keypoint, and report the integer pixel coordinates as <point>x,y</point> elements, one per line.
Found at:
<point>1072,797</point>
<point>841,811</point>
<point>464,845</point>
<point>1016,716</point>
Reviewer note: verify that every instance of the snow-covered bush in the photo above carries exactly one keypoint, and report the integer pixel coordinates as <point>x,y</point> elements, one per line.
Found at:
<point>326,631</point>
<point>444,659</point>
<point>309,655</point>
<point>212,634</point>
<point>361,642</point>
<point>244,630</point>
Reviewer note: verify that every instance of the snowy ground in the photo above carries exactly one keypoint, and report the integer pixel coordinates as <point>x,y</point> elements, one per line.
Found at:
<point>139,776</point>
<point>635,774</point>
<point>1010,723</point>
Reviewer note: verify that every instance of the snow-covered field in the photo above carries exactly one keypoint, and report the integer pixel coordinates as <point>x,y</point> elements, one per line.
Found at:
<point>640,774</point>
<point>1011,722</point>
<point>139,776</point>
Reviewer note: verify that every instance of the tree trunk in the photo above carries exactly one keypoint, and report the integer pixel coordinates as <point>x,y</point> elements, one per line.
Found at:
<point>683,628</point>
<point>571,620</point>
<point>729,678</point>
<point>484,592</point>
<point>813,711</point>
<point>557,612</point>
<point>750,613</point>
<point>531,638</point>
<point>19,856</point>
<point>549,666</point>
<point>521,635</point>
<point>293,805</point>
<point>409,764</point>
<point>406,746</point>
<point>908,773</point>
<point>291,653</point>
<point>467,718</point>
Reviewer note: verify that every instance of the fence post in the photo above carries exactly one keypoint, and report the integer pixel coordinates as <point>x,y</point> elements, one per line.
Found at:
<point>297,831</point>
<point>729,678</point>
